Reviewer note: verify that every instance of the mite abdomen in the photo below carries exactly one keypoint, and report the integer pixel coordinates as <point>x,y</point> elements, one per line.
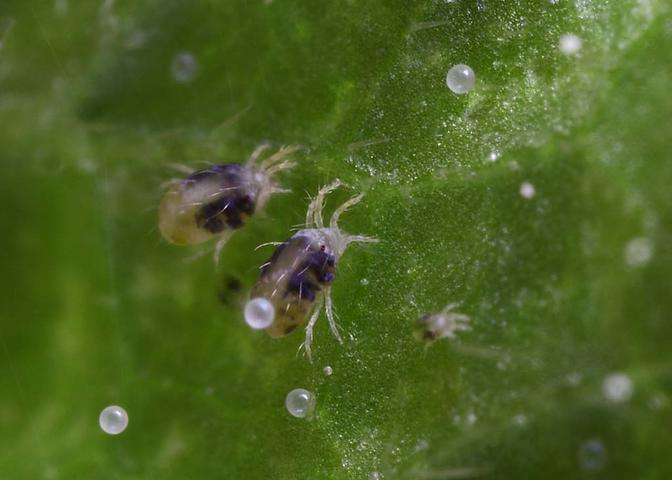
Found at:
<point>292,280</point>
<point>206,203</point>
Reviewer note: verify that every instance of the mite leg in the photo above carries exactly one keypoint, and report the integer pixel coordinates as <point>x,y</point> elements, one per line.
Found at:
<point>224,237</point>
<point>314,213</point>
<point>361,239</point>
<point>178,167</point>
<point>333,224</point>
<point>330,316</point>
<point>256,153</point>
<point>450,307</point>
<point>309,329</point>
<point>273,160</point>
<point>278,167</point>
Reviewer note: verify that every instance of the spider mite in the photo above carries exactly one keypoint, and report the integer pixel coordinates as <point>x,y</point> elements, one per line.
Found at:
<point>216,201</point>
<point>296,281</point>
<point>434,326</point>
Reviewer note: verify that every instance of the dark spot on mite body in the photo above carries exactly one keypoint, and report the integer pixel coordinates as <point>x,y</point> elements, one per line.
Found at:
<point>428,336</point>
<point>289,329</point>
<point>313,274</point>
<point>230,209</point>
<point>300,285</point>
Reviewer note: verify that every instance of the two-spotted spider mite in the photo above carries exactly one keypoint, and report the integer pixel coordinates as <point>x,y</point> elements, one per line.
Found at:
<point>296,282</point>
<point>216,201</point>
<point>445,324</point>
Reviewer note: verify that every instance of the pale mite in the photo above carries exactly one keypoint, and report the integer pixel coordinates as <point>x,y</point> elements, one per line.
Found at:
<point>445,324</point>
<point>297,278</point>
<point>216,201</point>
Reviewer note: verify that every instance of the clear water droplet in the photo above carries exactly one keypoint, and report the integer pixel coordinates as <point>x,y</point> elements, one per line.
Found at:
<point>113,420</point>
<point>638,252</point>
<point>184,67</point>
<point>259,313</point>
<point>592,455</point>
<point>570,44</point>
<point>460,78</point>
<point>527,190</point>
<point>327,370</point>
<point>300,402</point>
<point>617,387</point>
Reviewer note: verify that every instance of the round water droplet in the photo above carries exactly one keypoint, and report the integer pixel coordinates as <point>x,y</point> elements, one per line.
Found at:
<point>327,370</point>
<point>617,387</point>
<point>520,420</point>
<point>638,252</point>
<point>592,455</point>
<point>570,44</point>
<point>184,67</point>
<point>527,190</point>
<point>375,476</point>
<point>259,313</point>
<point>460,78</point>
<point>113,420</point>
<point>300,402</point>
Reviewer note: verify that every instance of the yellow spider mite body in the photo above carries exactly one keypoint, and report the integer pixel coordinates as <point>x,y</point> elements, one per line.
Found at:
<point>216,201</point>
<point>297,278</point>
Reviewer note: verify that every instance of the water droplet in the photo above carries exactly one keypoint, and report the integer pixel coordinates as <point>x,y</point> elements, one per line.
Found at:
<point>375,476</point>
<point>573,379</point>
<point>259,313</point>
<point>364,281</point>
<point>460,79</point>
<point>113,420</point>
<point>638,252</point>
<point>493,156</point>
<point>300,402</point>
<point>617,387</point>
<point>184,67</point>
<point>520,420</point>
<point>592,455</point>
<point>657,402</point>
<point>527,190</point>
<point>327,370</point>
<point>570,44</point>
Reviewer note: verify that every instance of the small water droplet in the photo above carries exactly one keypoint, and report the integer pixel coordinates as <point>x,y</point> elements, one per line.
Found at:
<point>592,455</point>
<point>520,420</point>
<point>638,252</point>
<point>460,78</point>
<point>113,420</point>
<point>527,190</point>
<point>327,370</point>
<point>375,476</point>
<point>300,402</point>
<point>259,313</point>
<point>573,379</point>
<point>617,387</point>
<point>570,44</point>
<point>364,281</point>
<point>184,67</point>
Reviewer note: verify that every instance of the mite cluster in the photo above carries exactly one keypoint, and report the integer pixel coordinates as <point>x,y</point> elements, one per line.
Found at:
<point>294,285</point>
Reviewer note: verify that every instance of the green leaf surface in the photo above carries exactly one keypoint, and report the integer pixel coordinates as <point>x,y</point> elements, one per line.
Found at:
<point>564,289</point>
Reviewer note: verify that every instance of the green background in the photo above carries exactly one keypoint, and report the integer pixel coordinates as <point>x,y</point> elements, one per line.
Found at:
<point>96,309</point>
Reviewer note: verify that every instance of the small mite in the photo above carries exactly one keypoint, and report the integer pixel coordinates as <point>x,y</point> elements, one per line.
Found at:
<point>297,279</point>
<point>218,200</point>
<point>445,324</point>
